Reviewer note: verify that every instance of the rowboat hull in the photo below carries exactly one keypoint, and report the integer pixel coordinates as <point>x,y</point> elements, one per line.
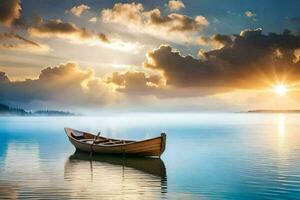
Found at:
<point>149,147</point>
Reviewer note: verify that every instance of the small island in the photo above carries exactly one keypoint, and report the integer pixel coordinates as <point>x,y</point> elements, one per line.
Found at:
<point>11,111</point>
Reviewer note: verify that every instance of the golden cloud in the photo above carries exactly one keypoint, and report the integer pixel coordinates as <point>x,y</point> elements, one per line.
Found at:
<point>175,22</point>
<point>58,28</point>
<point>248,60</point>
<point>140,83</point>
<point>69,31</point>
<point>65,84</point>
<point>175,4</point>
<point>133,16</point>
<point>216,41</point>
<point>78,10</point>
<point>135,82</point>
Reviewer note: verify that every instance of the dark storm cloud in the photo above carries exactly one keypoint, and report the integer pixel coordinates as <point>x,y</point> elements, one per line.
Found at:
<point>65,84</point>
<point>240,63</point>
<point>9,11</point>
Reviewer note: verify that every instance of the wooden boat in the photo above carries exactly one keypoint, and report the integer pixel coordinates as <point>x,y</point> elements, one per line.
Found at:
<point>88,142</point>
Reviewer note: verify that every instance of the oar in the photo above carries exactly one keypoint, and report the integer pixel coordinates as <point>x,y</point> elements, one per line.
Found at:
<point>91,154</point>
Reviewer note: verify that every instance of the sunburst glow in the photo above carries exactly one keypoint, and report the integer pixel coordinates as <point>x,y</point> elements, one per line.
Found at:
<point>280,89</point>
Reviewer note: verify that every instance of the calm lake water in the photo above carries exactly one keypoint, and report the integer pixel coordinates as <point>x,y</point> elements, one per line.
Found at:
<point>208,156</point>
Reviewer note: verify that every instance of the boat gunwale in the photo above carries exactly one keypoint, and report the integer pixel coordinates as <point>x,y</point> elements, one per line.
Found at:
<point>111,145</point>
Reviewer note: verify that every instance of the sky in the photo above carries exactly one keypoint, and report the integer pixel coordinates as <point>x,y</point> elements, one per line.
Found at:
<point>153,56</point>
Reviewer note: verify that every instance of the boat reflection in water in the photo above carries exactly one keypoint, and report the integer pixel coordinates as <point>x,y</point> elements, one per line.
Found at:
<point>113,177</point>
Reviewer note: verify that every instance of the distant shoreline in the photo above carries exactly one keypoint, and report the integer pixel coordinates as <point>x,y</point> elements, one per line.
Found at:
<point>273,111</point>
<point>10,111</point>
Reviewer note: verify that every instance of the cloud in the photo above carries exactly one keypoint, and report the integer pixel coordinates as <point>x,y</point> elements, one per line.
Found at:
<point>246,61</point>
<point>135,82</point>
<point>78,10</point>
<point>120,13</point>
<point>143,84</point>
<point>58,28</point>
<point>249,60</point>
<point>175,22</point>
<point>65,84</point>
<point>178,70</point>
<point>175,4</point>
<point>133,16</point>
<point>69,31</point>
<point>9,11</point>
<point>93,20</point>
<point>216,41</point>
<point>250,14</point>
<point>13,41</point>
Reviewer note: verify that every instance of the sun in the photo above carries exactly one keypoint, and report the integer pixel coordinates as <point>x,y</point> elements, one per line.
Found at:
<point>280,89</point>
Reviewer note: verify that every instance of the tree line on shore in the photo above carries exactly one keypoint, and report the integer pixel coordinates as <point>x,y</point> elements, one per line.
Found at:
<point>7,110</point>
